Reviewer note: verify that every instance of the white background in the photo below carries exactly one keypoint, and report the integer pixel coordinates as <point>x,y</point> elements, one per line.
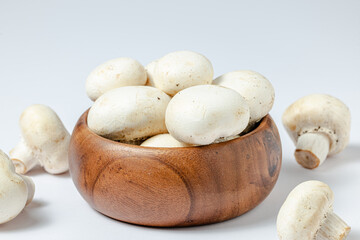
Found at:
<point>47,49</point>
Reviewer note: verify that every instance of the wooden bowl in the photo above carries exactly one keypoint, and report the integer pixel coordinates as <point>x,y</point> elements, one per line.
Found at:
<point>169,187</point>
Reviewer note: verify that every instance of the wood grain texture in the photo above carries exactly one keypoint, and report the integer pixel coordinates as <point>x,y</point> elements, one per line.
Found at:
<point>175,186</point>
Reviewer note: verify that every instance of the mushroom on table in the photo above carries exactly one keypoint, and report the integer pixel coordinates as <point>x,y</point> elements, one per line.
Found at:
<point>319,125</point>
<point>307,214</point>
<point>16,191</point>
<point>44,141</point>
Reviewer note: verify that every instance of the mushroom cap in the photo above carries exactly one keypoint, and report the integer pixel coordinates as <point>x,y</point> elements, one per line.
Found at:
<point>201,114</point>
<point>150,70</point>
<point>163,140</point>
<point>115,73</point>
<point>13,190</point>
<point>255,88</point>
<point>46,136</point>
<point>179,70</point>
<point>304,210</point>
<point>319,113</point>
<point>129,113</point>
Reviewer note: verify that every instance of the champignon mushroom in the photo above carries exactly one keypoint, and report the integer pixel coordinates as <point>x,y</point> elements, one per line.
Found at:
<point>150,70</point>
<point>15,191</point>
<point>129,113</point>
<point>255,88</point>
<point>44,141</point>
<point>201,115</point>
<point>115,73</point>
<point>307,214</point>
<point>163,140</point>
<point>179,70</point>
<point>319,125</point>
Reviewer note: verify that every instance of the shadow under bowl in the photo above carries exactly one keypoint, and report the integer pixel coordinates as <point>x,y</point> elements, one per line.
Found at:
<point>168,187</point>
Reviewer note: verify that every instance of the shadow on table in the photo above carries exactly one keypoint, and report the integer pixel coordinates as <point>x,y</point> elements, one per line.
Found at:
<point>40,171</point>
<point>28,218</point>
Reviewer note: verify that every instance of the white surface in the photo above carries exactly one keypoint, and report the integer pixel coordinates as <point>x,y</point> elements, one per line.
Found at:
<point>47,48</point>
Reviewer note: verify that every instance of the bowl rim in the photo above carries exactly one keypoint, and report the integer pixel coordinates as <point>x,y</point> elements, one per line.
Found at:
<point>260,126</point>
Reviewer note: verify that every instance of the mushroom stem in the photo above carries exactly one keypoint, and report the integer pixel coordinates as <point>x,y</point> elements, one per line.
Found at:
<point>23,158</point>
<point>333,228</point>
<point>31,189</point>
<point>312,149</point>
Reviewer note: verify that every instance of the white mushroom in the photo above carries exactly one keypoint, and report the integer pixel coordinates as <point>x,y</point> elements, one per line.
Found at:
<point>319,125</point>
<point>129,113</point>
<point>163,140</point>
<point>179,70</point>
<point>15,191</point>
<point>201,115</point>
<point>150,71</point>
<point>44,141</point>
<point>115,73</point>
<point>255,88</point>
<point>307,214</point>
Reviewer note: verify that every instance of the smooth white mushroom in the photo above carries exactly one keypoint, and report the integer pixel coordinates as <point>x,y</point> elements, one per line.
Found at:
<point>150,71</point>
<point>319,125</point>
<point>44,141</point>
<point>16,191</point>
<point>307,214</point>
<point>115,73</point>
<point>129,113</point>
<point>179,70</point>
<point>255,88</point>
<point>203,114</point>
<point>164,140</point>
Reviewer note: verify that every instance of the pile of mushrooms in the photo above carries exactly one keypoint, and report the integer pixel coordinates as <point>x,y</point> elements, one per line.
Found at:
<point>180,105</point>
<point>174,102</point>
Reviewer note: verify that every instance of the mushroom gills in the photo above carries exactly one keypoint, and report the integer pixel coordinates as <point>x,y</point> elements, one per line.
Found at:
<point>23,157</point>
<point>332,228</point>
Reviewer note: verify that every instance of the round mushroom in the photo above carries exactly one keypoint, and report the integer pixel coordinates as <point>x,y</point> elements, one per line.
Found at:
<point>129,113</point>
<point>150,70</point>
<point>307,214</point>
<point>179,70</point>
<point>255,88</point>
<point>319,125</point>
<point>44,141</point>
<point>163,140</point>
<point>203,114</point>
<point>115,73</point>
<point>16,191</point>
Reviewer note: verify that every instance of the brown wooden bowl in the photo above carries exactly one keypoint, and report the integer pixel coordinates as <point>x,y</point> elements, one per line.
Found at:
<point>169,187</point>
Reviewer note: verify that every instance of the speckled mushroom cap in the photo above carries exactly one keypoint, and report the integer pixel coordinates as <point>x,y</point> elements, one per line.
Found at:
<point>182,69</point>
<point>319,113</point>
<point>304,210</point>
<point>255,88</point>
<point>129,113</point>
<point>202,114</point>
<point>114,73</point>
